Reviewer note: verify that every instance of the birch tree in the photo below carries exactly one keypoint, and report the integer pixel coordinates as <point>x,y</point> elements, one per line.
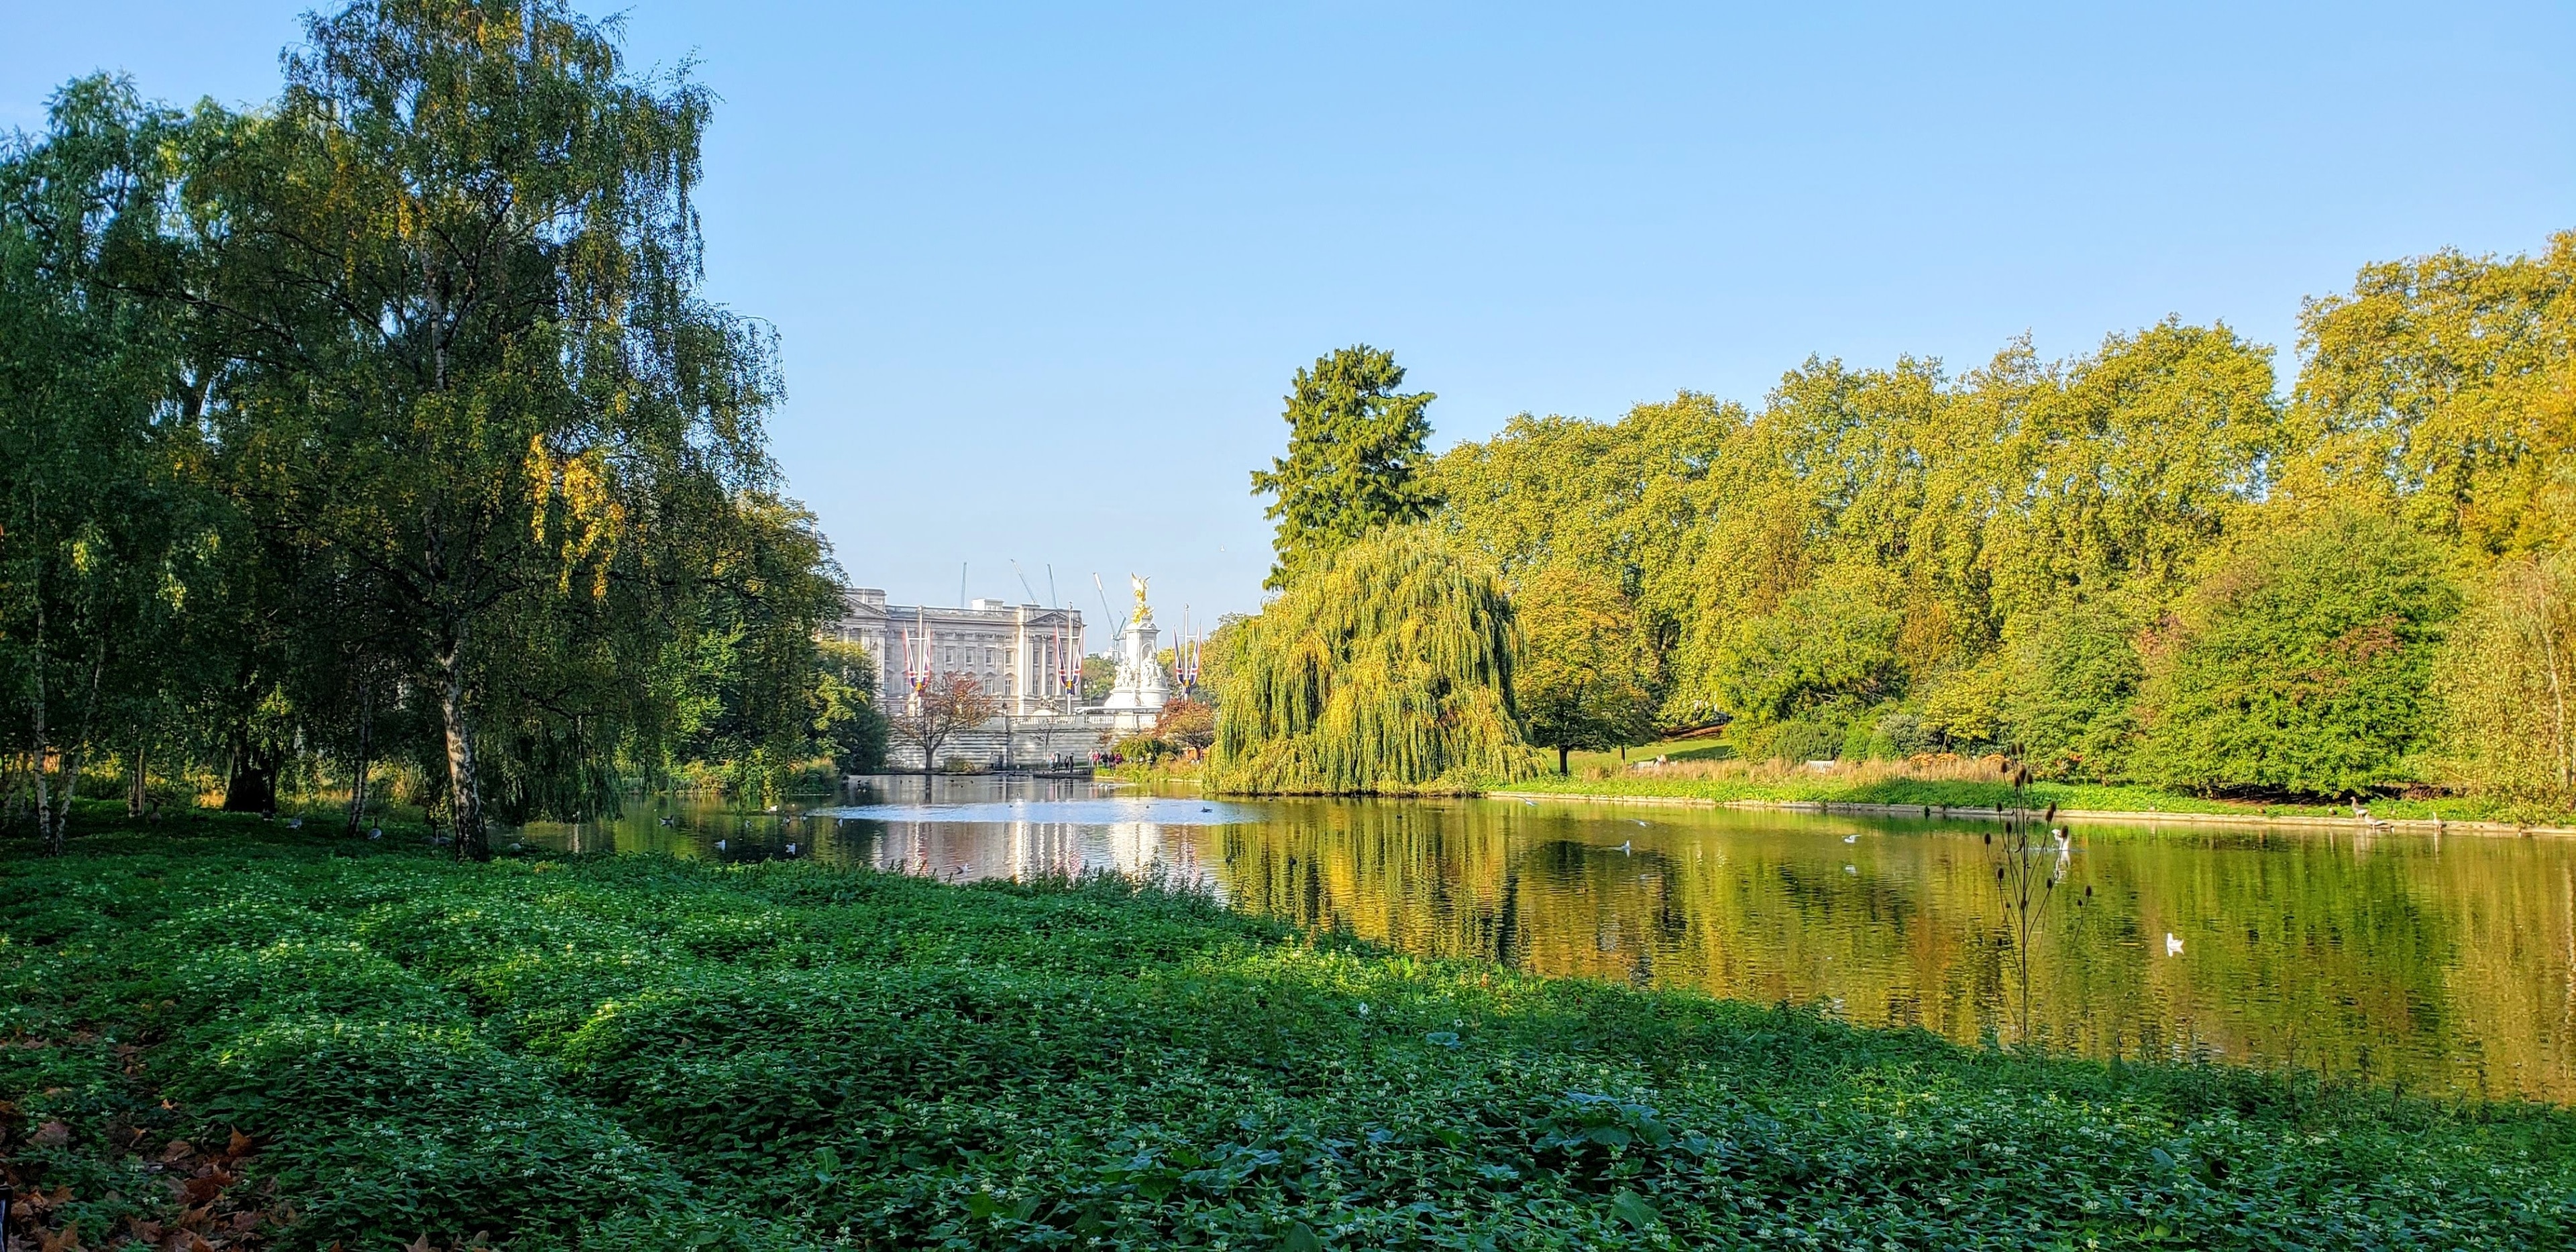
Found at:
<point>469,357</point>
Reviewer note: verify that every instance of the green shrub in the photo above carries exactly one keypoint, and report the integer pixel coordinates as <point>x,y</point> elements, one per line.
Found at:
<point>2302,663</point>
<point>2072,691</point>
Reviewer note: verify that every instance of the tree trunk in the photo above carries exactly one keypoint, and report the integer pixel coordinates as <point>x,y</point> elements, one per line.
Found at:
<point>80,740</point>
<point>1563,752</point>
<point>138,792</point>
<point>2562,754</point>
<point>465,794</point>
<point>46,828</point>
<point>365,761</point>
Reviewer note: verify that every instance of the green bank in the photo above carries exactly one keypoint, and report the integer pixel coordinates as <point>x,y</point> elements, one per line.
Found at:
<point>639,1051</point>
<point>1865,787</point>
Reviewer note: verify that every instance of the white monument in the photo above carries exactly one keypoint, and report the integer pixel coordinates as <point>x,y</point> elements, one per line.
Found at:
<point>1136,702</point>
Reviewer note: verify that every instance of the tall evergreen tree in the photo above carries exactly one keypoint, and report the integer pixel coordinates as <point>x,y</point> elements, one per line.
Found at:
<point>1355,458</point>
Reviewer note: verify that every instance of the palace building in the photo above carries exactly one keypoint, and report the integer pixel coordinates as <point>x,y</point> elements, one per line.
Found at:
<point>1027,656</point>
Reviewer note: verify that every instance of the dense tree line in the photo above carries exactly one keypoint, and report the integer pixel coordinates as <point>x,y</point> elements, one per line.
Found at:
<point>385,427</point>
<point>2142,564</point>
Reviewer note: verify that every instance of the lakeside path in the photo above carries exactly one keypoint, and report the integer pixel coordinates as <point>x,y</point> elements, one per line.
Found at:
<point>1964,812</point>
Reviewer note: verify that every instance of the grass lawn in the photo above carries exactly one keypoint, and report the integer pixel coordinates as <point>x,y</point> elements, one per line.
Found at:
<point>1705,769</point>
<point>1702,748</point>
<point>275,1040</point>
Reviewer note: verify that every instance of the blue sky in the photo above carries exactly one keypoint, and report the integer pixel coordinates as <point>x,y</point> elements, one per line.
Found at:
<point>1041,273</point>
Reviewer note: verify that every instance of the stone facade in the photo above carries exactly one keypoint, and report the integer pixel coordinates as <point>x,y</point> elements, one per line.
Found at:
<point>1027,656</point>
<point>1019,653</point>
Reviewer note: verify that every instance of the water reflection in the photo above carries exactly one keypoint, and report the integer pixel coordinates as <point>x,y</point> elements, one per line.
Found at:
<point>2444,963</point>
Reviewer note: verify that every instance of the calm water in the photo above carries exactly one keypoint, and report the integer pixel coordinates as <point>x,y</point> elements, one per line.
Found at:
<point>2436,962</point>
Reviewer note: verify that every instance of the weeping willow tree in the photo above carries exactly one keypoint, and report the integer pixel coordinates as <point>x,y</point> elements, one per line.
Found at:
<point>1386,666</point>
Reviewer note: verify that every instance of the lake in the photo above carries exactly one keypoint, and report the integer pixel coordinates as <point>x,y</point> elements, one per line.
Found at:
<point>2436,963</point>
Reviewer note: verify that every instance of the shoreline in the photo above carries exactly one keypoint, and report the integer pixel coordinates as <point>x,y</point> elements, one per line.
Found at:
<point>1962,812</point>
<point>1141,1012</point>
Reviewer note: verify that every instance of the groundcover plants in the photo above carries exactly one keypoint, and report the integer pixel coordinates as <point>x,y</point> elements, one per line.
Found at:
<point>233,1034</point>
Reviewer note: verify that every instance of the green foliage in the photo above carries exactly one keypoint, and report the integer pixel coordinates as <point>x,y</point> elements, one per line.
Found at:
<point>2444,387</point>
<point>1144,747</point>
<point>621,1053</point>
<point>1623,500</point>
<point>1099,678</point>
<point>1386,666</point>
<point>1831,645</point>
<point>2301,663</point>
<point>1585,678</point>
<point>1869,535</point>
<point>1883,559</point>
<point>851,725</point>
<point>1217,653</point>
<point>1726,781</point>
<point>2507,686</point>
<point>2070,704</point>
<point>1354,463</point>
<point>1798,739</point>
<point>507,394</point>
<point>388,421</point>
<point>108,534</point>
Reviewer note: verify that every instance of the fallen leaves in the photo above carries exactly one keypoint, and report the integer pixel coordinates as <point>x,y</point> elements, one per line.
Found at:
<point>209,1208</point>
<point>476,1243</point>
<point>205,1187</point>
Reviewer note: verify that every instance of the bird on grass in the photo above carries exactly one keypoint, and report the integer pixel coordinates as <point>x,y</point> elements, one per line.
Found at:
<point>1851,839</point>
<point>2173,946</point>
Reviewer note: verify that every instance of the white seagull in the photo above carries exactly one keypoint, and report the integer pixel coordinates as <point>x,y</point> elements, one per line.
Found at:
<point>2173,946</point>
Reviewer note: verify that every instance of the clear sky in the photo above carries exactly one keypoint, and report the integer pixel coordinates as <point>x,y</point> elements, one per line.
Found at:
<point>1041,273</point>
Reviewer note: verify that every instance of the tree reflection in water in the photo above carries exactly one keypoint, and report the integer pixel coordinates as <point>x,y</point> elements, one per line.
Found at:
<point>2439,962</point>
